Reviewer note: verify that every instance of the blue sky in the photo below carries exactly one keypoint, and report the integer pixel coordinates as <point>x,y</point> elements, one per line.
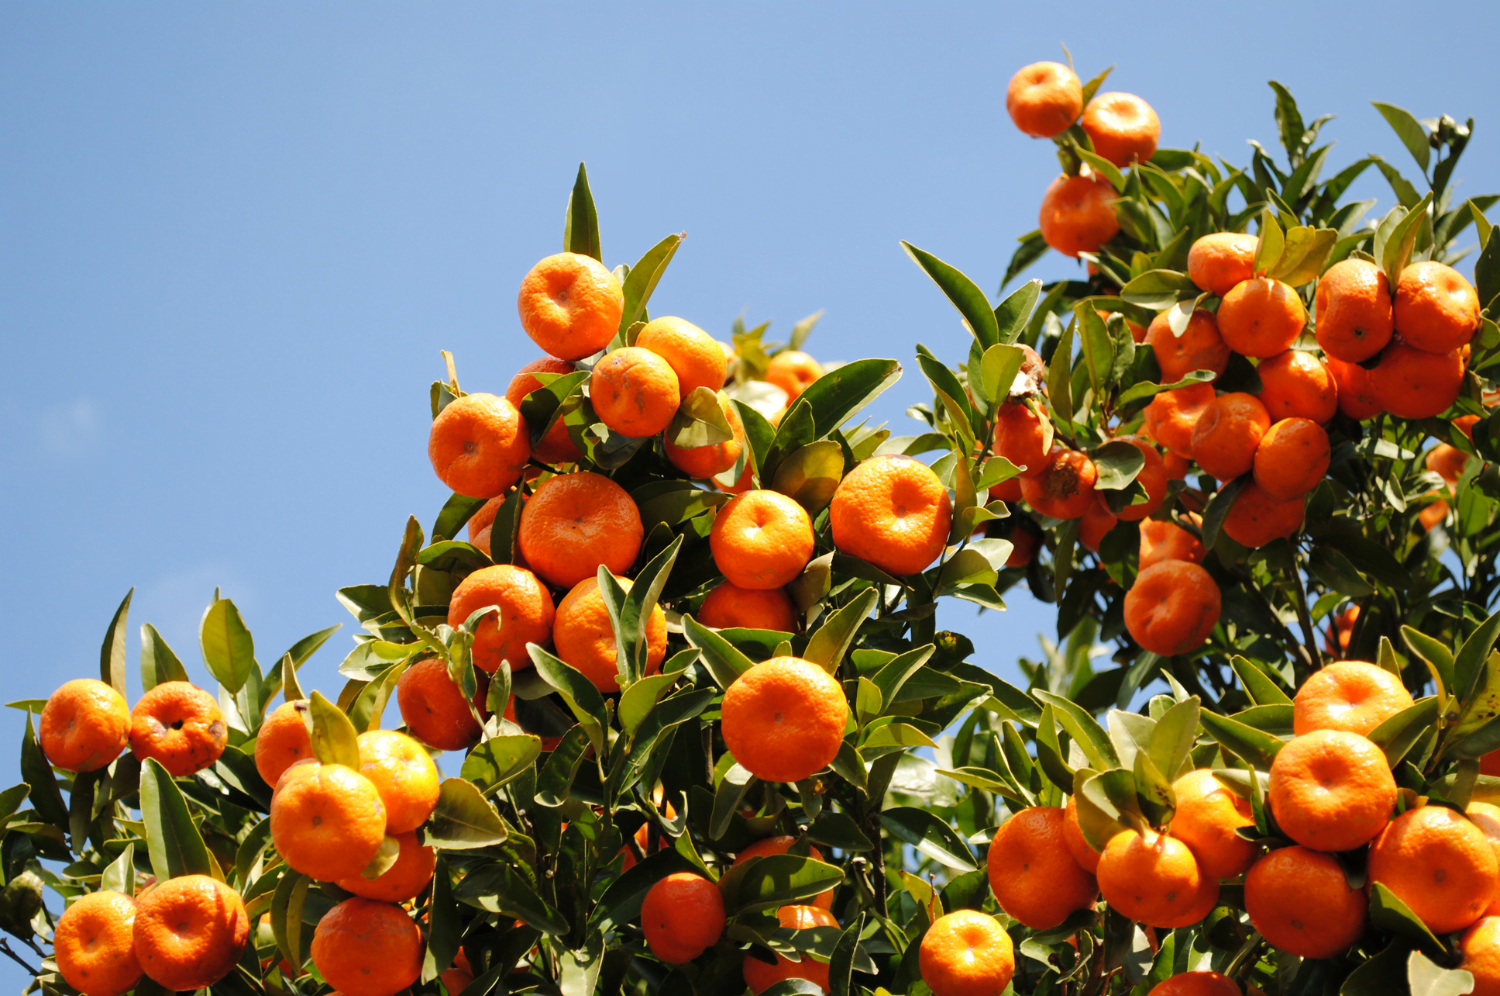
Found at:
<point>234,237</point>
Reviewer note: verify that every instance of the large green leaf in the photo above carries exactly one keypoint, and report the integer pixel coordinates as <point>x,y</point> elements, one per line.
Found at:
<point>1242,740</point>
<point>776,880</point>
<point>965,295</point>
<point>643,277</point>
<point>929,835</point>
<point>581,224</point>
<point>725,663</point>
<point>463,818</point>
<point>577,691</point>
<point>172,838</point>
<point>227,647</point>
<point>840,393</point>
<point>828,645</point>
<point>158,662</point>
<point>499,759</point>
<point>334,738</point>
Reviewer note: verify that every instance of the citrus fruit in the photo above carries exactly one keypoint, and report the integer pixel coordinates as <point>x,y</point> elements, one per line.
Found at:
<point>1044,99</point>
<point>1122,127</point>
<point>1331,790</point>
<point>573,523</point>
<point>1021,437</point>
<point>634,392</point>
<point>283,740</point>
<point>1078,845</point>
<point>694,356</point>
<point>401,881</point>
<point>1439,864</point>
<point>1032,872</point>
<point>1348,695</point>
<point>1300,900</point>
<point>1207,816</point>
<point>1261,317</point>
<point>1150,878</point>
<point>966,953</point>
<point>1196,984</point>
<point>729,605</point>
<point>189,932</point>
<point>793,371</point>
<point>761,539</point>
<point>893,512</point>
<point>404,776</point>
<point>1296,384</point>
<point>1219,260</point>
<point>433,707</point>
<point>1065,487</point>
<point>180,725</point>
<point>760,976</point>
<point>327,820</point>
<point>1168,541</point>
<point>1480,947</point>
<point>84,725</point>
<point>1357,397</point>
<point>94,944</point>
<point>479,445</point>
<point>556,446</point>
<point>1078,214</point>
<point>712,459</point>
<point>1172,415</point>
<point>1292,458</point>
<point>784,719</point>
<point>1256,517</point>
<point>1095,524</point>
<point>1352,310</point>
<point>525,615</point>
<point>482,523</point>
<point>1204,904</point>
<point>1172,607</point>
<point>1414,383</point>
<point>571,305</point>
<point>585,637</point>
<point>1200,347</point>
<point>682,916</point>
<point>1152,477</point>
<point>367,948</point>
<point>1486,817</point>
<point>1227,433</point>
<point>781,844</point>
<point>1436,309</point>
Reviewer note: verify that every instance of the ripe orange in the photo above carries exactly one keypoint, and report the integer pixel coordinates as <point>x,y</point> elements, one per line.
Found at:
<point>682,916</point>
<point>1032,871</point>
<point>893,512</point>
<point>1168,541</point>
<point>1095,523</point>
<point>966,953</point>
<point>1044,99</point>
<point>1295,384</point>
<point>189,932</point>
<point>283,741</point>
<point>1202,906</point>
<point>1331,790</point>
<point>585,637</point>
<point>401,881</point>
<point>634,392</point>
<point>1023,548</point>
<point>1348,695</point>
<point>784,719</point>
<point>94,944</point>
<point>479,445</point>
<point>433,707</point>
<point>404,776</point>
<point>768,846</point>
<point>1007,490</point>
<point>1218,261</point>
<point>1257,518</point>
<point>327,820</point>
<point>761,539</point>
<point>1487,818</point>
<point>708,461</point>
<point>1196,984</point>
<point>1261,317</point>
<point>1021,438</point>
<point>1122,126</point>
<point>180,725</point>
<point>1357,397</point>
<point>1300,901</point>
<point>729,605</point>
<point>1227,433</point>
<point>1171,416</point>
<point>1078,214</point>
<point>694,356</point>
<point>1447,461</point>
<point>84,725</point>
<point>573,523</point>
<point>570,305</point>
<point>525,615</point>
<point>793,371</point>
<point>481,523</point>
<point>1352,306</point>
<point>456,979</point>
<point>1065,487</point>
<point>1436,309</point>
<point>1480,947</point>
<point>1439,864</point>
<point>1292,458</point>
<point>556,446</point>
<point>367,948</point>
<point>760,976</point>
<point>1151,878</point>
<point>1153,477</point>
<point>1207,816</point>
<point>1078,845</point>
<point>1172,607</point>
<point>1414,383</point>
<point>1200,347</point>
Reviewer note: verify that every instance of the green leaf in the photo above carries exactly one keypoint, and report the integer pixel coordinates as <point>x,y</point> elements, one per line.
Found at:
<point>1389,914</point>
<point>1084,729</point>
<point>545,405</point>
<point>841,964</point>
<point>334,738</point>
<point>811,474</point>
<point>828,645</point>
<point>1060,376</point>
<point>1013,315</point>
<point>929,835</point>
<point>1098,350</point>
<point>796,430</point>
<point>112,653</point>
<point>1153,791</point>
<point>1118,463</point>
<point>643,277</point>
<point>631,618</point>
<point>890,678</point>
<point>724,662</point>
<point>454,515</point>
<point>172,839</point>
<point>840,393</point>
<point>227,647</point>
<point>555,781</point>
<point>699,421</point>
<point>119,874</point>
<point>158,663</point>
<point>1409,130</point>
<point>1381,975</point>
<point>445,926</point>
<point>1289,121</point>
<point>577,691</point>
<point>45,795</point>
<point>1031,248</point>
<point>1107,803</point>
<point>964,294</point>
<point>838,830</point>
<point>998,369</point>
<point>1218,508</point>
<point>737,781</point>
<point>1269,246</point>
<point>1242,740</point>
<point>1258,685</point>
<point>463,818</point>
<point>499,759</point>
<point>1159,289</point>
<point>1306,254</point>
<point>1428,979</point>
<point>581,227</point>
<point>286,915</point>
<point>1438,658</point>
<point>640,698</point>
<point>777,880</point>
<point>1104,168</point>
<point>1173,738</point>
<point>1398,245</point>
<point>1468,666</point>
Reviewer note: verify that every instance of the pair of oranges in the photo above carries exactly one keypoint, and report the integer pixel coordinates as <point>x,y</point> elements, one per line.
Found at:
<point>86,724</point>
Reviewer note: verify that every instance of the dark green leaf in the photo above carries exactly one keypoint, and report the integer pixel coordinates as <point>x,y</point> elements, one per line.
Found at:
<point>499,759</point>
<point>840,393</point>
<point>1389,914</point>
<point>929,835</point>
<point>45,795</point>
<point>555,781</point>
<point>1242,740</point>
<point>1032,247</point>
<point>724,662</point>
<point>828,645</point>
<point>776,880</point>
<point>577,691</point>
<point>112,653</point>
<point>962,292</point>
<point>455,513</point>
<point>172,839</point>
<point>1468,666</point>
<point>581,227</point>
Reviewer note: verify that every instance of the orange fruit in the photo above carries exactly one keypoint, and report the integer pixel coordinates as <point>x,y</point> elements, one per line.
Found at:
<point>1065,487</point>
<point>1177,467</point>
<point>767,846</point>
<point>1023,548</point>
<point>1300,900</point>
<point>1292,458</point>
<point>729,605</point>
<point>556,446</point>
<point>1343,625</point>
<point>1196,984</point>
<point>1357,397</point>
<point>1021,438</point>
<point>1489,764</point>
<point>1331,790</point>
<point>1152,477</point>
<point>1168,541</point>
<point>761,539</point>
<point>966,953</point>
<point>1200,347</point>
<point>1295,384</point>
<point>1044,99</point>
<point>403,774</point>
<point>84,725</point>
<point>694,356</point>
<point>793,371</point>
<point>571,305</point>
<point>1436,309</point>
<point>433,707</point>
<point>1353,312</point>
<point>1207,816</point>
<point>1078,845</point>
<point>1256,518</point>
<point>708,461</point>
<point>94,944</point>
<point>1032,871</point>
<point>283,740</point>
<point>1078,214</point>
<point>1172,607</point>
<point>1433,514</point>
<point>893,512</point>
<point>1150,878</point>
<point>573,523</point>
<point>525,615</point>
<point>1348,695</point>
<point>760,976</point>
<point>189,932</point>
<point>1007,490</point>
<point>180,725</point>
<point>585,637</point>
<point>1122,126</point>
<point>456,979</point>
<point>1227,433</point>
<point>1171,416</point>
<point>367,948</point>
<point>1095,523</point>
<point>401,881</point>
<point>1487,818</point>
<point>1480,947</point>
<point>1439,864</point>
<point>1219,260</point>
<point>1414,383</point>
<point>327,820</point>
<point>1447,462</point>
<point>682,916</point>
<point>634,392</point>
<point>482,522</point>
<point>1261,317</point>
<point>784,719</point>
<point>1202,905</point>
<point>479,445</point>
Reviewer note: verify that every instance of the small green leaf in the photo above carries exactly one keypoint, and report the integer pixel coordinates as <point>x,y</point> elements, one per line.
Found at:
<point>828,645</point>
<point>1159,289</point>
<point>929,835</point>
<point>811,474</point>
<point>725,663</point>
<point>577,691</point>
<point>463,818</point>
<point>1438,658</point>
<point>1397,248</point>
<point>227,647</point>
<point>1242,740</point>
<point>1118,463</point>
<point>964,294</point>
<point>499,759</point>
<point>581,226</point>
<point>334,738</point>
<point>1411,133</point>
<point>1269,246</point>
<point>158,663</point>
<point>286,915</point>
<point>112,653</point>
<point>643,277</point>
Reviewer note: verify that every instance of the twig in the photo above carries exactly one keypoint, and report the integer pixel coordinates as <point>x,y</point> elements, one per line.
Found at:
<point>5,948</point>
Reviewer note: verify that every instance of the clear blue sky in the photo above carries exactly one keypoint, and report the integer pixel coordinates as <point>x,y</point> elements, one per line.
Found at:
<point>233,238</point>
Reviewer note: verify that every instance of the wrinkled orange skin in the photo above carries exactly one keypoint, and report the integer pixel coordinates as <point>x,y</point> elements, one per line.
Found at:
<point>1414,383</point>
<point>573,523</point>
<point>1065,487</point>
<point>1296,384</point>
<point>94,944</point>
<point>1292,458</point>
<point>179,725</point>
<point>84,725</point>
<point>1200,347</point>
<point>1168,541</point>
<point>1257,518</point>
<point>479,445</point>
<point>1078,214</point>
<point>1227,433</point>
<point>1219,260</point>
<point>570,304</point>
<point>283,740</point>
<point>1171,416</point>
<point>1172,607</point>
<point>1044,99</point>
<point>1331,790</point>
<point>367,948</point>
<point>189,932</point>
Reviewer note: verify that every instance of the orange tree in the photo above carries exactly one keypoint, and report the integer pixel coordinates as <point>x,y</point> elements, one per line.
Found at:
<point>676,627</point>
